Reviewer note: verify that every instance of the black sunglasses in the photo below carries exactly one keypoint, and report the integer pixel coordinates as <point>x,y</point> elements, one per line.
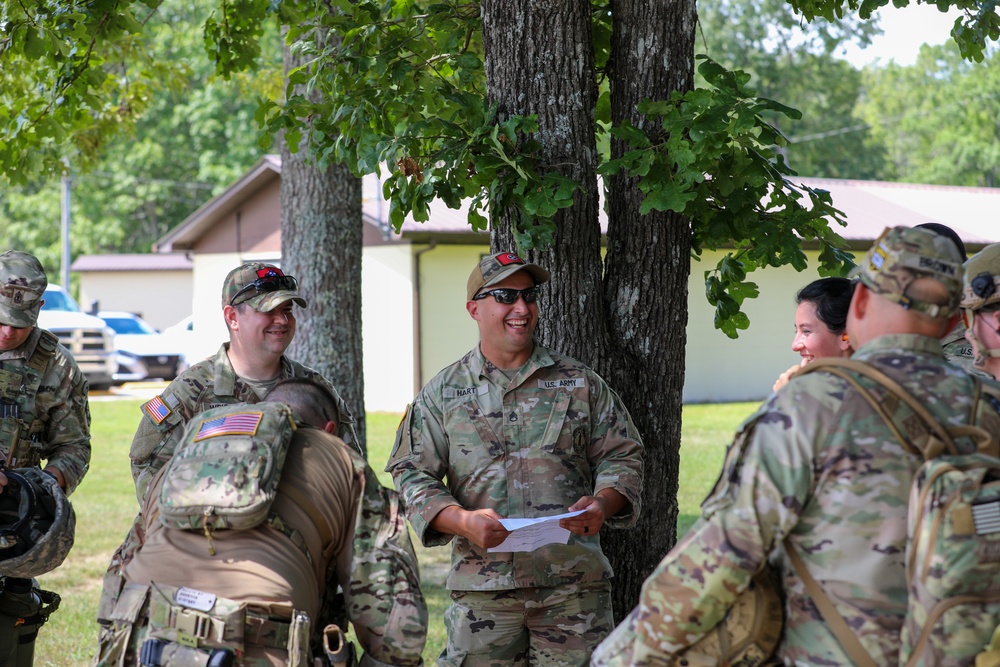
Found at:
<point>507,296</point>
<point>269,283</point>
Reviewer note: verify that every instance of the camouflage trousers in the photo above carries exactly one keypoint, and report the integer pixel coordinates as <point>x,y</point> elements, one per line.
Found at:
<point>527,626</point>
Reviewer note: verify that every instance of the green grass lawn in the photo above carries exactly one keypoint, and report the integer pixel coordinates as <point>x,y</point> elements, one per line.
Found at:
<point>105,506</point>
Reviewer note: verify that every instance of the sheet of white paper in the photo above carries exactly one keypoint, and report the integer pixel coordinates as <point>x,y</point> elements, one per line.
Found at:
<point>529,534</point>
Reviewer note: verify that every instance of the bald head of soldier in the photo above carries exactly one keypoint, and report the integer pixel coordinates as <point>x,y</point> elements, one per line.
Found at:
<point>910,282</point>
<point>312,402</point>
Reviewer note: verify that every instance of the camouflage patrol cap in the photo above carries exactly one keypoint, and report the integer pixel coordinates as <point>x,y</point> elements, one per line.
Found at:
<point>261,285</point>
<point>903,254</point>
<point>981,284</point>
<point>494,268</point>
<point>22,285</point>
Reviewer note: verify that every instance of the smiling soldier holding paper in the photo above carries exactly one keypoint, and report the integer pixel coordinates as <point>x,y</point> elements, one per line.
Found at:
<point>514,430</point>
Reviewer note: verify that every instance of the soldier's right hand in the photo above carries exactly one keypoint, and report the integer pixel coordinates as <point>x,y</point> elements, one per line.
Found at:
<point>481,527</point>
<point>3,481</point>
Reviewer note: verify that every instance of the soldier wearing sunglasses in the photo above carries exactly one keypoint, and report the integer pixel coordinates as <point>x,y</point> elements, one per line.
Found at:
<point>515,430</point>
<point>259,305</point>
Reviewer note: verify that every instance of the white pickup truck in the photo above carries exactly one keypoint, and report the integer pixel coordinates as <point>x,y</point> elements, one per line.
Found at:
<point>87,337</point>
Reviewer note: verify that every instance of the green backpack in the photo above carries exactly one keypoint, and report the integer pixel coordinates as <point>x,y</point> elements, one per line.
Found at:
<point>953,531</point>
<point>226,469</point>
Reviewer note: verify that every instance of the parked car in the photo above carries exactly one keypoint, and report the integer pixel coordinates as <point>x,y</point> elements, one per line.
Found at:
<point>143,352</point>
<point>87,338</point>
<point>195,348</point>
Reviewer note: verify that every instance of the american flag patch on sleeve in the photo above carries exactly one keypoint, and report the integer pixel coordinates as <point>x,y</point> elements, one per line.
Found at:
<point>241,423</point>
<point>156,409</point>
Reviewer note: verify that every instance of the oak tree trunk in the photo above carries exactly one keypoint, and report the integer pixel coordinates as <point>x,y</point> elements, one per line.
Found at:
<point>646,283</point>
<point>321,243</point>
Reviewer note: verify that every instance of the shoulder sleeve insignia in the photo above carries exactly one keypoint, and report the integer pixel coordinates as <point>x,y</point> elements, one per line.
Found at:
<point>156,409</point>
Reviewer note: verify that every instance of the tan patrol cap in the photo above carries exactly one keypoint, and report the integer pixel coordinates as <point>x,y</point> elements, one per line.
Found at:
<point>495,268</point>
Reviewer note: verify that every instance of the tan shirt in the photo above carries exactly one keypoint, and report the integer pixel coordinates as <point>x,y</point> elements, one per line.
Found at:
<point>263,565</point>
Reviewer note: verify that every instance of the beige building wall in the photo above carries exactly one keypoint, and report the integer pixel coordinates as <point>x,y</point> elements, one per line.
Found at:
<point>162,298</point>
<point>388,326</point>
<point>447,331</point>
<point>720,369</point>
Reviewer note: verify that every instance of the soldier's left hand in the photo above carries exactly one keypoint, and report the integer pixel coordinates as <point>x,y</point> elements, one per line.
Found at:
<point>588,523</point>
<point>3,481</point>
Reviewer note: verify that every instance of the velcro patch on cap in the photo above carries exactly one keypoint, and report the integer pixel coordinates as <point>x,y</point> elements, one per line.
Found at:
<point>878,255</point>
<point>941,267</point>
<point>508,258</point>
<point>240,423</point>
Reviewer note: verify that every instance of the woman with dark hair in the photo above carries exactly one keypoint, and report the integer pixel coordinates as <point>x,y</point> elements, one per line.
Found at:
<point>820,322</point>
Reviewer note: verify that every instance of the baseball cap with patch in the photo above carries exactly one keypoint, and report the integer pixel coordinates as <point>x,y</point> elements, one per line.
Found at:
<point>261,285</point>
<point>981,285</point>
<point>491,270</point>
<point>903,254</point>
<point>22,287</point>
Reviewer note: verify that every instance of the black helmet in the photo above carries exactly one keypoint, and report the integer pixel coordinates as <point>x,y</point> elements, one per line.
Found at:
<point>37,524</point>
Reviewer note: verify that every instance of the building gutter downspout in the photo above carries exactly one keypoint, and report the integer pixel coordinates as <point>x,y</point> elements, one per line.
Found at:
<point>417,323</point>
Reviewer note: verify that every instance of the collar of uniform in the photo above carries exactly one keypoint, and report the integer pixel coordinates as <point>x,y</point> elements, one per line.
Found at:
<point>908,342</point>
<point>225,375</point>
<point>540,358</point>
<point>224,382</point>
<point>26,349</point>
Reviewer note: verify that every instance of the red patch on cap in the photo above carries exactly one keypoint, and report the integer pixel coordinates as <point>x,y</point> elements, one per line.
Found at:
<point>269,272</point>
<point>508,258</point>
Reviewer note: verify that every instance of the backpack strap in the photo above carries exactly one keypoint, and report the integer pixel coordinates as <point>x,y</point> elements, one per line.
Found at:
<point>848,640</point>
<point>846,368</point>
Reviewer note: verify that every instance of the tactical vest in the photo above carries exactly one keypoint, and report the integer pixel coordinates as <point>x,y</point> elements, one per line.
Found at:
<point>21,432</point>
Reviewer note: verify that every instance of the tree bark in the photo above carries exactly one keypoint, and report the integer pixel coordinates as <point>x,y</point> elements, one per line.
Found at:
<point>540,61</point>
<point>647,269</point>
<point>321,244</point>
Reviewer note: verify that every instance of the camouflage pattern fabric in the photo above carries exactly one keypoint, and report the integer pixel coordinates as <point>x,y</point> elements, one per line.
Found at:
<point>492,628</point>
<point>226,471</point>
<point>816,466</point>
<point>958,350</point>
<point>207,384</point>
<point>59,426</point>
<point>526,447</point>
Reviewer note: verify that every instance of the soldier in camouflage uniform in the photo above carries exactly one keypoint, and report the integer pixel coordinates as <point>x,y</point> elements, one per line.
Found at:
<point>816,470</point>
<point>956,348</point>
<point>44,413</point>
<point>258,303</point>
<point>324,529</point>
<point>516,430</point>
<point>981,308</point>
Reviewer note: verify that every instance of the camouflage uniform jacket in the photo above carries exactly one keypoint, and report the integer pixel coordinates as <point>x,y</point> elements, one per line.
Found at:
<point>60,425</point>
<point>958,351</point>
<point>814,465</point>
<point>528,447</point>
<point>207,384</point>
